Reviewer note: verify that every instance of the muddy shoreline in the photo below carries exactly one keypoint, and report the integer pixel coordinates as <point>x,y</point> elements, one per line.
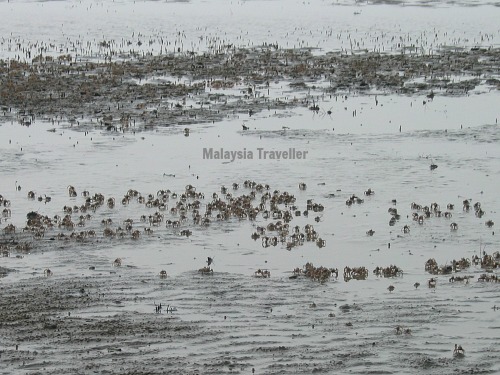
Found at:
<point>107,323</point>
<point>41,316</point>
<point>92,315</point>
<point>146,92</point>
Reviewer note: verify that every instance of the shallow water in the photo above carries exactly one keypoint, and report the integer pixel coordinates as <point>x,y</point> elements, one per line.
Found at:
<point>231,322</point>
<point>61,27</point>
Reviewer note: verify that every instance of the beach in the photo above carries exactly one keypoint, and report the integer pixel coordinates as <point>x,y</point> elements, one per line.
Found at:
<point>259,180</point>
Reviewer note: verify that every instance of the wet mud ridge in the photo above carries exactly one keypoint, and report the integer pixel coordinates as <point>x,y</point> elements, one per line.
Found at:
<point>138,92</point>
<point>220,323</point>
<point>68,325</point>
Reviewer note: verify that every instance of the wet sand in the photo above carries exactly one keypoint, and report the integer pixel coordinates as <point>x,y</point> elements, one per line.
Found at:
<point>226,323</point>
